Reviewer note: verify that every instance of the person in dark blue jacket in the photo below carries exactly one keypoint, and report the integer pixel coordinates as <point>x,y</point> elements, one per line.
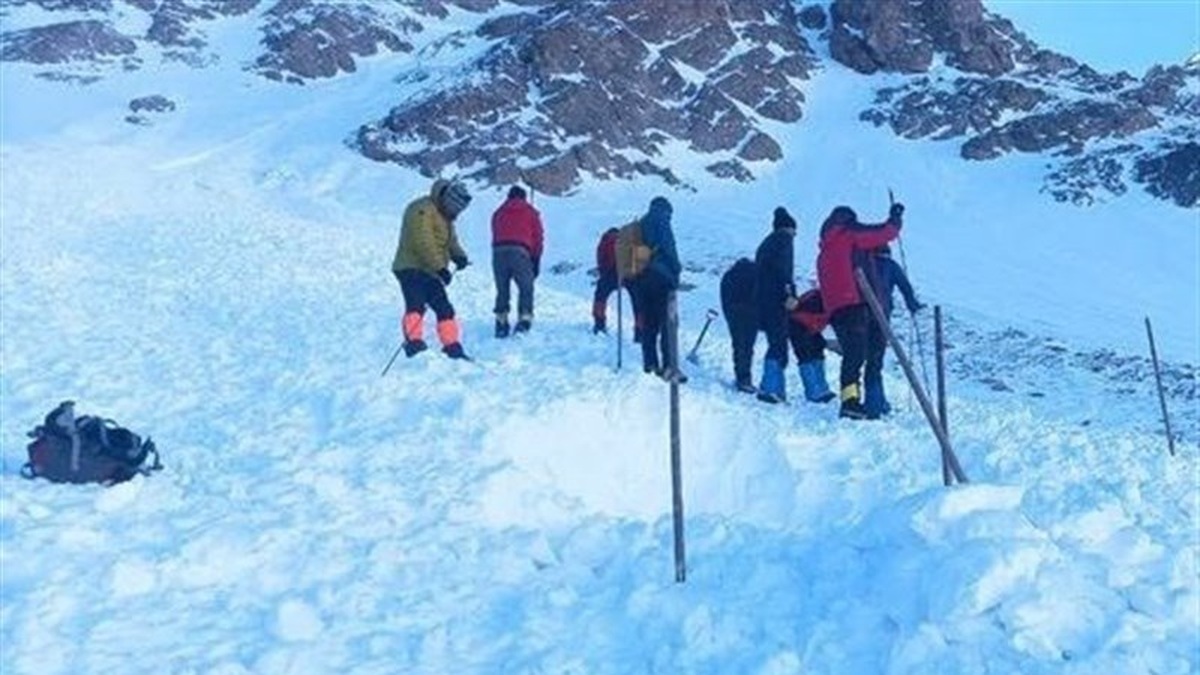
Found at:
<point>885,275</point>
<point>654,286</point>
<point>774,293</point>
<point>740,308</point>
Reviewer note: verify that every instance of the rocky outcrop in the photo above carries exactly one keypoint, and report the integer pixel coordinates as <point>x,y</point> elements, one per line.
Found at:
<point>308,40</point>
<point>601,89</point>
<point>1172,173</point>
<point>89,41</point>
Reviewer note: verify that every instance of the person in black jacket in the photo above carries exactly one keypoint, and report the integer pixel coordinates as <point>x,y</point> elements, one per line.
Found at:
<point>774,291</point>
<point>741,316</point>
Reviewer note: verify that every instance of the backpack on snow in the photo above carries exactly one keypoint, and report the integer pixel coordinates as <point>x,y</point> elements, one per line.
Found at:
<point>632,253</point>
<point>87,449</point>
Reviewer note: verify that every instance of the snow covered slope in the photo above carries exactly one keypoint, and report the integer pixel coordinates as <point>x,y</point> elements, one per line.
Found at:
<point>218,279</point>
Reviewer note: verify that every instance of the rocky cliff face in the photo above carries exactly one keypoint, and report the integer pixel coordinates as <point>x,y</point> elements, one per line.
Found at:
<point>1007,95</point>
<point>553,92</point>
<point>574,88</point>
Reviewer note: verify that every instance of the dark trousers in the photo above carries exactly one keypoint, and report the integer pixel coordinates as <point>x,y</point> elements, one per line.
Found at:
<point>653,291</point>
<point>605,285</point>
<point>806,345</point>
<point>742,321</point>
<point>774,322</point>
<point>851,325</point>
<point>422,290</point>
<point>513,264</point>
<point>876,347</point>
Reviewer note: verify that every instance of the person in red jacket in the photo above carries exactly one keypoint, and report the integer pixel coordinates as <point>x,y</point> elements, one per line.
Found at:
<point>606,268</point>
<point>517,240</point>
<point>807,321</point>
<point>845,245</point>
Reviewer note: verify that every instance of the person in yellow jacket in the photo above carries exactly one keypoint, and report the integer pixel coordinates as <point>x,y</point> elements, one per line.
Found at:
<point>427,246</point>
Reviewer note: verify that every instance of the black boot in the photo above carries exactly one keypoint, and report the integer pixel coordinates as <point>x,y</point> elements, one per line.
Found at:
<point>599,327</point>
<point>455,351</point>
<point>414,347</point>
<point>501,328</point>
<point>522,326</point>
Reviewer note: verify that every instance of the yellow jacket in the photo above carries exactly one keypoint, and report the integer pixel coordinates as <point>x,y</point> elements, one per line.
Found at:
<point>427,240</point>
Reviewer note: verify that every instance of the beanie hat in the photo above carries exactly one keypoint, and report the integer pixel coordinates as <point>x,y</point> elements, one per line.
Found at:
<point>783,220</point>
<point>516,192</point>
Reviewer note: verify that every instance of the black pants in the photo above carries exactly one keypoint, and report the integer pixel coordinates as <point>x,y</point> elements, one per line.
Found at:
<point>852,326</point>
<point>513,264</point>
<point>876,347</point>
<point>421,290</point>
<point>605,285</point>
<point>773,320</point>
<point>742,321</point>
<point>653,292</point>
<point>806,345</point>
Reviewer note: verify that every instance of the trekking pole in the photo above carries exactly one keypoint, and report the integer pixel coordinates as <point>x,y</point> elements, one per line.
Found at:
<point>692,356</point>
<point>672,328</point>
<point>1162,400</point>
<point>916,328</point>
<point>393,359</point>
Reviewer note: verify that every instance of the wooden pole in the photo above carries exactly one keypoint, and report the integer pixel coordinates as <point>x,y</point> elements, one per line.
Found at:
<point>1162,399</point>
<point>939,346</point>
<point>923,398</point>
<point>676,471</point>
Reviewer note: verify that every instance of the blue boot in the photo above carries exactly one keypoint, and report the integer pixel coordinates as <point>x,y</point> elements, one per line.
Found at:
<point>773,388</point>
<point>816,387</point>
<point>874,402</point>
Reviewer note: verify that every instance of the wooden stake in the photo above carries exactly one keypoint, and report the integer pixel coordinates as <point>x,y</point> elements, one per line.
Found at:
<point>923,398</point>
<point>676,470</point>
<point>939,346</point>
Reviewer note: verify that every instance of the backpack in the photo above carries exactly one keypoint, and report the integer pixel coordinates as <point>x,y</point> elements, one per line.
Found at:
<point>632,253</point>
<point>87,449</point>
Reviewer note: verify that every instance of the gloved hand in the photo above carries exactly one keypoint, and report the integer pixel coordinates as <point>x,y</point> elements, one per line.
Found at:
<point>537,267</point>
<point>444,275</point>
<point>460,261</point>
<point>896,212</point>
<point>791,302</point>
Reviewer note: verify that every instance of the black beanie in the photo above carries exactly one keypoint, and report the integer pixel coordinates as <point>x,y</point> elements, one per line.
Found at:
<point>516,192</point>
<point>783,219</point>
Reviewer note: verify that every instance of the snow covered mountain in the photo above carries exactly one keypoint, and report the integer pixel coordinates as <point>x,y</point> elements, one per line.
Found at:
<point>547,91</point>
<point>193,243</point>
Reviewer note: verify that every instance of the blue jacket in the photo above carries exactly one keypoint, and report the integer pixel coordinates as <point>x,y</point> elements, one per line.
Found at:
<point>657,234</point>
<point>885,276</point>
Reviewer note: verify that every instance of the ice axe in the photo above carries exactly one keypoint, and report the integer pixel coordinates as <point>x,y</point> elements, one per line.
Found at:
<point>692,356</point>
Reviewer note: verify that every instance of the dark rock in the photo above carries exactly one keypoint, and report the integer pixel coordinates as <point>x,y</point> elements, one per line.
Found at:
<point>154,103</point>
<point>760,147</point>
<point>308,39</point>
<point>1068,127</point>
<point>1173,174</point>
<point>86,40</point>
<point>813,17</point>
<point>730,169</point>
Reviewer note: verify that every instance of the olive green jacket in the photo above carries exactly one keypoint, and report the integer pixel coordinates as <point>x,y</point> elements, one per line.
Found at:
<point>427,239</point>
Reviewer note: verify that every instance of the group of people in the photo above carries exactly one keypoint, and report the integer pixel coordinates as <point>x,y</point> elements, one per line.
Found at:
<point>760,295</point>
<point>757,295</point>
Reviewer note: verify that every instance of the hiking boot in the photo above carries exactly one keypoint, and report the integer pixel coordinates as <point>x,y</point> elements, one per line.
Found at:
<point>414,347</point>
<point>853,410</point>
<point>455,351</point>
<point>522,326</point>
<point>747,387</point>
<point>501,329</point>
<point>599,327</point>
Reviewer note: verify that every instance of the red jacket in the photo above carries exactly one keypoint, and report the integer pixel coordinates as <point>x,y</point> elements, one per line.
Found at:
<point>517,223</point>
<point>606,252</point>
<point>843,241</point>
<point>810,312</point>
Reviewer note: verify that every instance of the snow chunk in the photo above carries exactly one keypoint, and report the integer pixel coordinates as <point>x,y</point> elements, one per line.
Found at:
<point>297,621</point>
